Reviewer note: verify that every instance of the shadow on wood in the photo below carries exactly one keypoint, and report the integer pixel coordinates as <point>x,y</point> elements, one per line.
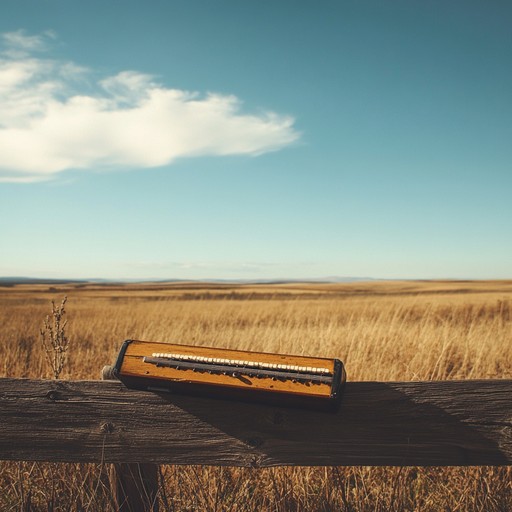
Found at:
<point>402,424</point>
<point>135,487</point>
<point>395,423</point>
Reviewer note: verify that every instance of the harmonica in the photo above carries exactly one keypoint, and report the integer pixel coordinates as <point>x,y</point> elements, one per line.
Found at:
<point>231,374</point>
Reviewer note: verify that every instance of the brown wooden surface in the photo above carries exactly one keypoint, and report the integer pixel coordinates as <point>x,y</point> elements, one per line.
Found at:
<point>145,348</point>
<point>134,366</point>
<point>401,423</point>
<point>134,485</point>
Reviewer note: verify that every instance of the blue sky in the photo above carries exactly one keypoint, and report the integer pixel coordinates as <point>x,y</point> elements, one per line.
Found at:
<point>228,139</point>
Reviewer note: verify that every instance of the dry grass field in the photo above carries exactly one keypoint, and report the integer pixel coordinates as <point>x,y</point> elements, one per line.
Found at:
<point>381,330</point>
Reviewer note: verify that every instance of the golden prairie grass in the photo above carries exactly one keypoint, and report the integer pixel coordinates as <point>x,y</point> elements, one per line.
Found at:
<point>382,331</point>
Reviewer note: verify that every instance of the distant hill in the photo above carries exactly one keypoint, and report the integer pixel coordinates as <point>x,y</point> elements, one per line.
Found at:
<point>284,280</point>
<point>12,281</point>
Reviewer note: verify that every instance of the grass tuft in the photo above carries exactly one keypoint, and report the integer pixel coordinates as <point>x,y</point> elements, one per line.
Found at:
<point>53,338</point>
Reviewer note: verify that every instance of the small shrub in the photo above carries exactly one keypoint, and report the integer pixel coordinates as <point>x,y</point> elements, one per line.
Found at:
<point>54,339</point>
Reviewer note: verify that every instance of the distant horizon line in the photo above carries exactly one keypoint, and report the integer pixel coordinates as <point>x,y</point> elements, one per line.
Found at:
<point>16,280</point>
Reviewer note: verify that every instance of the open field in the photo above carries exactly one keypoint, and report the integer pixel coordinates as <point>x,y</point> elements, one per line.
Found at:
<point>381,330</point>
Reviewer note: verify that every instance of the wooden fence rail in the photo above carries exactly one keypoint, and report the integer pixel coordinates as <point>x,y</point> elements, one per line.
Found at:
<point>394,423</point>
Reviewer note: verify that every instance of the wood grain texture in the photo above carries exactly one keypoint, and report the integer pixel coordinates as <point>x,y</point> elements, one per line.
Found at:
<point>139,348</point>
<point>134,485</point>
<point>393,423</point>
<point>135,367</point>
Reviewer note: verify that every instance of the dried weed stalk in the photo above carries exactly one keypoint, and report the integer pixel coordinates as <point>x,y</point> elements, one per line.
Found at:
<point>54,339</point>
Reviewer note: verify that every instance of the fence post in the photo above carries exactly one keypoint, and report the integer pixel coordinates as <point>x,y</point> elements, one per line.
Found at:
<point>134,486</point>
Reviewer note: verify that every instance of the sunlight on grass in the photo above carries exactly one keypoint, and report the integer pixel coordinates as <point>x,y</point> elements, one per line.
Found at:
<point>382,331</point>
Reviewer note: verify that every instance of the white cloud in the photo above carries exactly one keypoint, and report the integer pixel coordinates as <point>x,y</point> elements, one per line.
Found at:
<point>19,44</point>
<point>47,126</point>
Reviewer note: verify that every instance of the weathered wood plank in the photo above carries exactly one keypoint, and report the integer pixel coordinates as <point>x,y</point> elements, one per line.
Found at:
<point>134,485</point>
<point>393,423</point>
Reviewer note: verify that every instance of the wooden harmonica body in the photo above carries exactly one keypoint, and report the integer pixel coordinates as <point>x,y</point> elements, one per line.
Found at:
<point>231,374</point>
